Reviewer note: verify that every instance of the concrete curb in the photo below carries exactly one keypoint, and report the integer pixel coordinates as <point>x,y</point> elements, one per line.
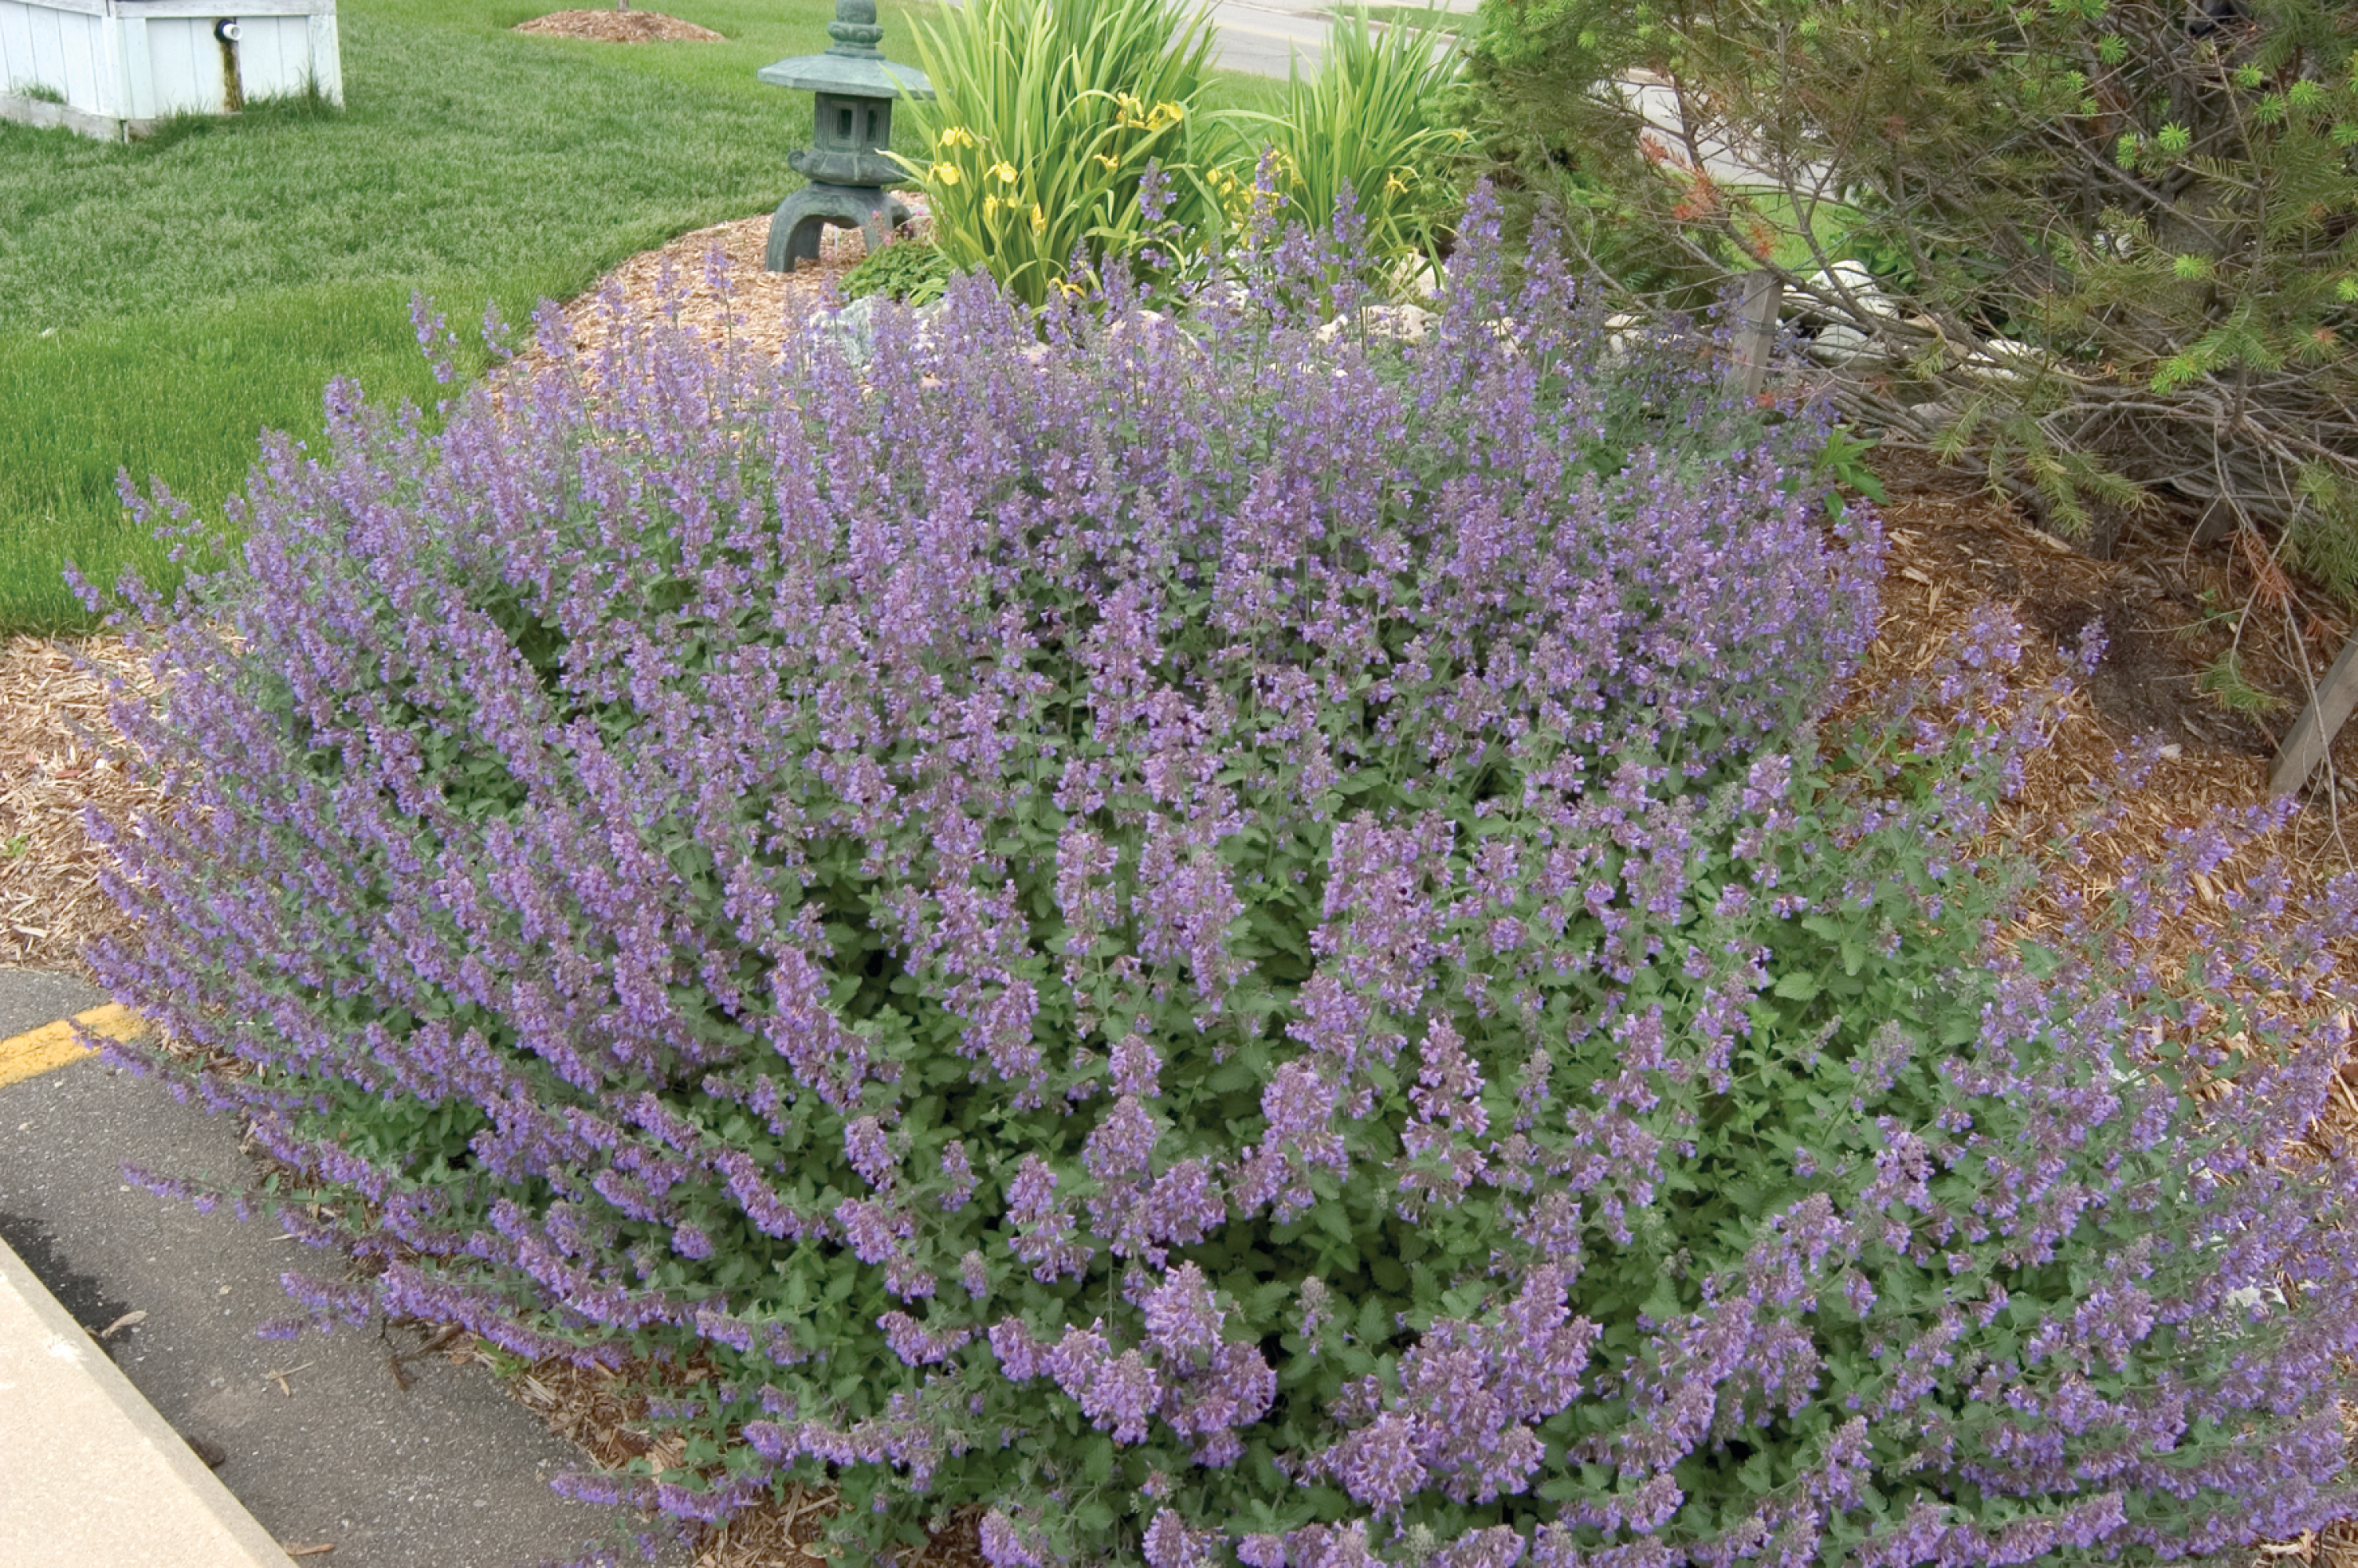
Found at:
<point>89,1472</point>
<point>41,115</point>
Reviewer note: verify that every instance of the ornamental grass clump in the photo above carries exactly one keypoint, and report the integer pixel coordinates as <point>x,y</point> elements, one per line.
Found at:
<point>1226,946</point>
<point>1052,118</point>
<point>1367,127</point>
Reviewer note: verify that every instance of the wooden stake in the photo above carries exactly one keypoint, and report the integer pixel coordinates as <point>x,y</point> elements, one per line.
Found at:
<point>2313,731</point>
<point>1756,332</point>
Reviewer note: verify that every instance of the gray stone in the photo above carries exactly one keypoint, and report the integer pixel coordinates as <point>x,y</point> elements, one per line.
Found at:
<point>1846,294</point>
<point>1840,343</point>
<point>1398,323</point>
<point>851,330</point>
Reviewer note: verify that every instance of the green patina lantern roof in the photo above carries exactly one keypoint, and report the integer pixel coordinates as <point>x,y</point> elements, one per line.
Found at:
<point>852,67</point>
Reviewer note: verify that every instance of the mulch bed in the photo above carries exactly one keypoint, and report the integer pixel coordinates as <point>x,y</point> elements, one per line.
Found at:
<point>55,759</point>
<point>710,284</point>
<point>617,27</point>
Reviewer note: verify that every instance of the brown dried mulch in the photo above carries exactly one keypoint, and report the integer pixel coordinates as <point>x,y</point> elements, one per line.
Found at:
<point>603,1413</point>
<point>54,744</point>
<point>617,27</point>
<point>2164,609</point>
<point>710,284</point>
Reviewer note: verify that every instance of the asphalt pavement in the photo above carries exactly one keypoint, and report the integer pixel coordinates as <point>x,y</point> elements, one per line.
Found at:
<point>1266,39</point>
<point>315,1437</point>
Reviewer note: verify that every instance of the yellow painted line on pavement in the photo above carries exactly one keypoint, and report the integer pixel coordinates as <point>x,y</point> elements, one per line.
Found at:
<point>53,1044</point>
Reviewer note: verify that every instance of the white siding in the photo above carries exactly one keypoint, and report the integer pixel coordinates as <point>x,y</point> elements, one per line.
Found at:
<point>137,99</point>
<point>136,58</point>
<point>48,66</point>
<point>185,59</point>
<point>327,57</point>
<point>258,71</point>
<point>16,48</point>
<point>89,83</point>
<point>274,55</point>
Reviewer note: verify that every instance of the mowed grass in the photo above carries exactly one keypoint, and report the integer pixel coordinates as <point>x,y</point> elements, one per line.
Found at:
<point>162,304</point>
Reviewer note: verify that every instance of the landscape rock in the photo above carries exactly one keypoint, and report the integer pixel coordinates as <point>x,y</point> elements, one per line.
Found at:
<point>1844,293</point>
<point>1840,343</point>
<point>1397,323</point>
<point>2003,361</point>
<point>851,329</point>
<point>1622,334</point>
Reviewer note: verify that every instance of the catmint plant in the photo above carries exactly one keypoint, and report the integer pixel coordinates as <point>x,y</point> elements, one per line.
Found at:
<point>1231,945</point>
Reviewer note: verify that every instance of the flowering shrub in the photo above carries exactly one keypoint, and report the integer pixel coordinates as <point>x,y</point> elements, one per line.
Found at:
<point>1233,945</point>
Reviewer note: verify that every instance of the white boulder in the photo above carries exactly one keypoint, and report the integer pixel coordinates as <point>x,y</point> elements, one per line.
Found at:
<point>1398,323</point>
<point>2003,361</point>
<point>1846,292</point>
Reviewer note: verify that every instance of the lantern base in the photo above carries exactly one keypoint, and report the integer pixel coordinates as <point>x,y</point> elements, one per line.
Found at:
<point>795,229</point>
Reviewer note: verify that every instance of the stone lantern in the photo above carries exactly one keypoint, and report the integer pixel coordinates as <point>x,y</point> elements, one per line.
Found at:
<point>845,163</point>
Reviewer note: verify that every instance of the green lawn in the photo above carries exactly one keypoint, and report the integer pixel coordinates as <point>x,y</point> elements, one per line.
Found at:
<point>162,303</point>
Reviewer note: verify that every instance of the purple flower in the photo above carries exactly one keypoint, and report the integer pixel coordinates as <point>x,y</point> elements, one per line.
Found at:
<point>1183,1322</point>
<point>1170,1543</point>
<point>870,1152</point>
<point>916,1345</point>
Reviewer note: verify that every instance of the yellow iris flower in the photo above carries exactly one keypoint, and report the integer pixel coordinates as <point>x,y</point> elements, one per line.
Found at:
<point>1039,220</point>
<point>947,173</point>
<point>1005,172</point>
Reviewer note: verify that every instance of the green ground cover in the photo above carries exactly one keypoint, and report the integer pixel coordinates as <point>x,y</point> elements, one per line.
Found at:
<point>162,303</point>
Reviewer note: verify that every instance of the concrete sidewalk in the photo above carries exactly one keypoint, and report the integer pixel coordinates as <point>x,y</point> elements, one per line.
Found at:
<point>316,1439</point>
<point>89,1472</point>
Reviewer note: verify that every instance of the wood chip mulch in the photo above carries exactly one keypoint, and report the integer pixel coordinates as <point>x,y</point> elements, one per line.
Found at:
<point>617,27</point>
<point>711,284</point>
<point>55,746</point>
<point>2162,606</point>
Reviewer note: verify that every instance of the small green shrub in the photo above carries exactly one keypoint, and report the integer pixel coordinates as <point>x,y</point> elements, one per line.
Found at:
<point>2115,242</point>
<point>912,271</point>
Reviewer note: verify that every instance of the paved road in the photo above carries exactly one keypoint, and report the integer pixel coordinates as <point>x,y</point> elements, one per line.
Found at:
<point>1266,39</point>
<point>451,1473</point>
<point>1266,36</point>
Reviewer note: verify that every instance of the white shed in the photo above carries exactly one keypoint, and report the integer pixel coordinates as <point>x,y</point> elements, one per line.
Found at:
<point>111,67</point>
